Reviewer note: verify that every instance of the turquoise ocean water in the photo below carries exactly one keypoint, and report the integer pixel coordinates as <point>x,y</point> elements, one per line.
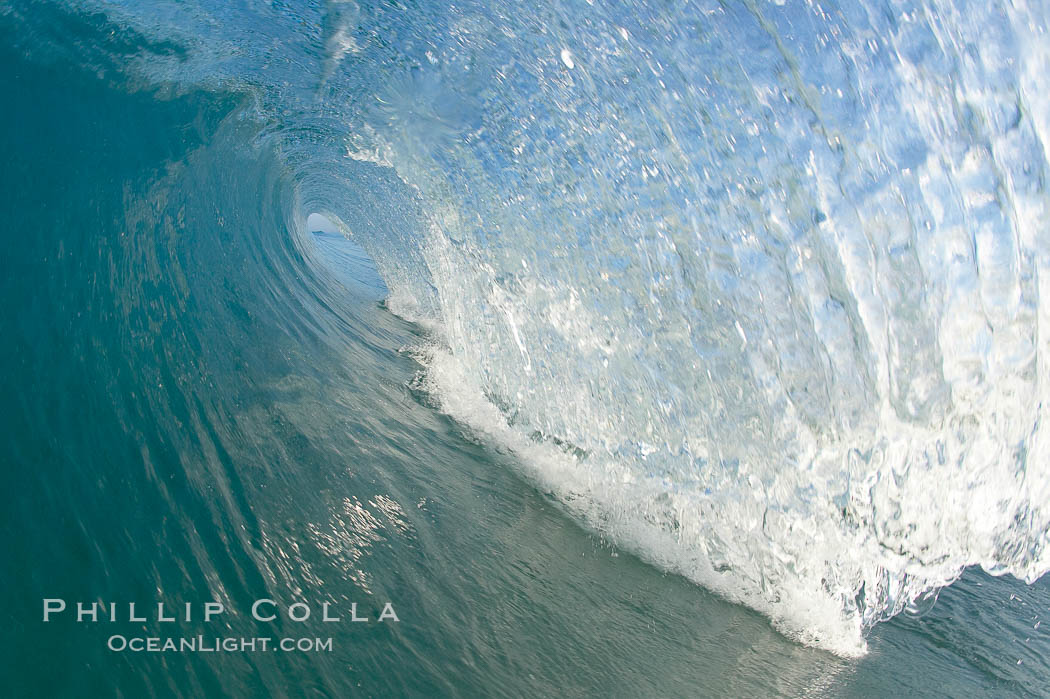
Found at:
<point>648,349</point>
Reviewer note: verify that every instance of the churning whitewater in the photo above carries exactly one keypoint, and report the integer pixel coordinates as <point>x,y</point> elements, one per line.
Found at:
<point>760,291</point>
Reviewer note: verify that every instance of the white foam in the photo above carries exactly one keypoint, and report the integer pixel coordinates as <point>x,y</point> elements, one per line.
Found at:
<point>598,491</point>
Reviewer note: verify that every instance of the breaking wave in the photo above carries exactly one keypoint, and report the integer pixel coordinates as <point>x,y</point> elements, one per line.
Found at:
<point>756,289</point>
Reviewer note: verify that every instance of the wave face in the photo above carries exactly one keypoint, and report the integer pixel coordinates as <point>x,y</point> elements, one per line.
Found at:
<point>756,289</point>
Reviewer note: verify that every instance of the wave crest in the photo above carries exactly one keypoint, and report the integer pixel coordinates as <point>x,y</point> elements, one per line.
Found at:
<point>756,288</point>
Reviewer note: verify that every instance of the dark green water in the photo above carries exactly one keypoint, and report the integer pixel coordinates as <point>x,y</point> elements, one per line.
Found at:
<point>202,402</point>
